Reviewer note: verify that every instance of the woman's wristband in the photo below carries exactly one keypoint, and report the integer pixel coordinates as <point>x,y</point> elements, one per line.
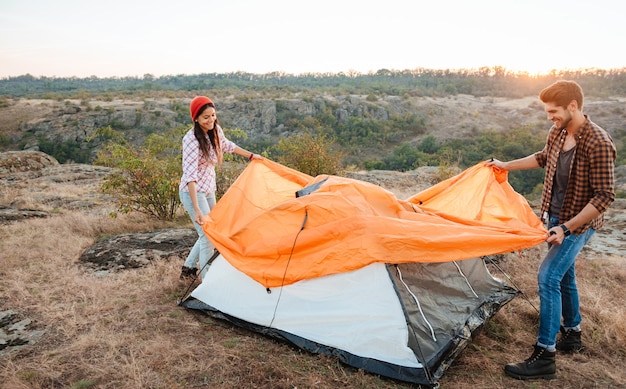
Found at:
<point>251,156</point>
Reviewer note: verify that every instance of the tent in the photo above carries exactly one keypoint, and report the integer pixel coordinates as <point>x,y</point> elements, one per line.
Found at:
<point>342,267</point>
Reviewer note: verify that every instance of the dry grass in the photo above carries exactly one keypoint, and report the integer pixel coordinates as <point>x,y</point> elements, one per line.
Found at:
<point>126,331</point>
<point>509,336</point>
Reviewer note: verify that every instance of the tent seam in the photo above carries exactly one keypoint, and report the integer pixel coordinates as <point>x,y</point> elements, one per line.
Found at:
<point>465,278</point>
<point>419,306</point>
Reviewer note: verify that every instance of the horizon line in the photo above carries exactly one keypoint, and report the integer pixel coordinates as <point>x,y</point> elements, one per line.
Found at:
<point>351,72</point>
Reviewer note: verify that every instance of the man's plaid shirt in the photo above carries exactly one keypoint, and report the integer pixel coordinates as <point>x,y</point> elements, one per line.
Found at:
<point>592,172</point>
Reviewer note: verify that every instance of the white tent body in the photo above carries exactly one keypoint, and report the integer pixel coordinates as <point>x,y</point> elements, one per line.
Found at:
<point>357,311</point>
<point>406,321</point>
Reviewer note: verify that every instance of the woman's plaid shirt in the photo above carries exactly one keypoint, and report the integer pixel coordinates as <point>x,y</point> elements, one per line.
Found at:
<point>592,172</point>
<point>196,167</point>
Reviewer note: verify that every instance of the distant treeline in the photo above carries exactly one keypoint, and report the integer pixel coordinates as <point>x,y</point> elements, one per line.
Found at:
<point>486,81</point>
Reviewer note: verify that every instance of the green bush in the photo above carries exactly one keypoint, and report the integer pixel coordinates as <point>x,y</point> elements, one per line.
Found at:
<point>226,174</point>
<point>404,157</point>
<point>146,178</point>
<point>309,154</point>
<point>466,152</point>
<point>64,150</point>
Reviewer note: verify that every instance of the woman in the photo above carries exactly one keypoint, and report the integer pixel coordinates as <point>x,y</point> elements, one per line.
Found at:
<point>203,148</point>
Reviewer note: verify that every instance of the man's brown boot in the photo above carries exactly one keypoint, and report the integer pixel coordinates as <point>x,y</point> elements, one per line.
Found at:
<point>540,364</point>
<point>569,342</point>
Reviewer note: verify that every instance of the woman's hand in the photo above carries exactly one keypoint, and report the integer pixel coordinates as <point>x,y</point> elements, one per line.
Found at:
<point>199,217</point>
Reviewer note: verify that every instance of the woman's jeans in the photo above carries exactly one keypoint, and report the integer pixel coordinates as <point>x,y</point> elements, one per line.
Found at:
<point>202,249</point>
<point>558,293</point>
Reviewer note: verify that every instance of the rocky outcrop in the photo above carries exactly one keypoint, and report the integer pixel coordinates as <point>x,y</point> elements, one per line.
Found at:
<point>27,176</point>
<point>10,214</point>
<point>25,122</point>
<point>135,250</point>
<point>257,117</point>
<point>16,332</point>
<point>76,121</point>
<point>263,117</point>
<point>24,161</point>
<point>413,181</point>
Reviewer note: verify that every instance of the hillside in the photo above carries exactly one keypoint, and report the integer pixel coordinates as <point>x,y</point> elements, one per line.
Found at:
<point>25,122</point>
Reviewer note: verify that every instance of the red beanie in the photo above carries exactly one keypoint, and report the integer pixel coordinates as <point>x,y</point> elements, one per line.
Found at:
<point>197,103</point>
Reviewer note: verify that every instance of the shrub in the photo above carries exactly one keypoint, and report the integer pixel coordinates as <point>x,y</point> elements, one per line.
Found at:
<point>147,178</point>
<point>226,174</point>
<point>309,154</point>
<point>64,150</point>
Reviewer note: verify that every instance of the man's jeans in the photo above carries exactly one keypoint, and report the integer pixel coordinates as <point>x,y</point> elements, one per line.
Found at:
<point>202,249</point>
<point>558,293</point>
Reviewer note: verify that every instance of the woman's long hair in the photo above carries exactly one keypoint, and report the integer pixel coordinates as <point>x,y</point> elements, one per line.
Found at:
<point>214,140</point>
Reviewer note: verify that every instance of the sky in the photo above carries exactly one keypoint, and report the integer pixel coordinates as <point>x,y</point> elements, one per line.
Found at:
<point>120,38</point>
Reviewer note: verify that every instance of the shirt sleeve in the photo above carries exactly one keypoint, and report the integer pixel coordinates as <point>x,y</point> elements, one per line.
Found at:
<point>226,145</point>
<point>191,157</point>
<point>602,174</point>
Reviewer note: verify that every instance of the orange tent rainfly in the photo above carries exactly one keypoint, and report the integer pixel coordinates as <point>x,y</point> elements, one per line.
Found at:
<point>343,268</point>
<point>276,238</point>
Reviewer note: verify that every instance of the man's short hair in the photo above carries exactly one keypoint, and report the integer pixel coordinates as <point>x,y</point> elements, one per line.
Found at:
<point>562,93</point>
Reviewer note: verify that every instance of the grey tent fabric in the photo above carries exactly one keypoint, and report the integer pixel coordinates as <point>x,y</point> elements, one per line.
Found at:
<point>446,305</point>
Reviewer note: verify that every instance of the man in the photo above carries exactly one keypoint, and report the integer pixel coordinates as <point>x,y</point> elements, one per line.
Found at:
<point>579,159</point>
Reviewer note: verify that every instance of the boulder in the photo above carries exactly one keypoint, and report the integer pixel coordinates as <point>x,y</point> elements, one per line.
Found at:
<point>134,250</point>
<point>23,161</point>
<point>16,332</point>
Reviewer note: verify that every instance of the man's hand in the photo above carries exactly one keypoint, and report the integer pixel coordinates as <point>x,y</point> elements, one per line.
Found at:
<point>555,235</point>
